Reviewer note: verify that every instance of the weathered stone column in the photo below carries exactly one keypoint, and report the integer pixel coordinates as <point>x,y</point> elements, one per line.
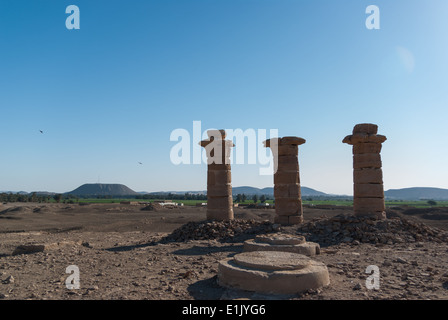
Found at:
<point>368,190</point>
<point>287,194</point>
<point>219,187</point>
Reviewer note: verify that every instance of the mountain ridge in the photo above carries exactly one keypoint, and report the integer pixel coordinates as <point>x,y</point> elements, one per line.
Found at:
<point>103,189</point>
<point>115,189</point>
<point>417,193</point>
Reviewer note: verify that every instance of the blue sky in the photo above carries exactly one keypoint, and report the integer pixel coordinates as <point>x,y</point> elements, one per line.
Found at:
<point>108,95</point>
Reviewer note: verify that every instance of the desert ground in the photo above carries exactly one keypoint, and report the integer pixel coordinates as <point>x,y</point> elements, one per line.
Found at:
<point>125,253</point>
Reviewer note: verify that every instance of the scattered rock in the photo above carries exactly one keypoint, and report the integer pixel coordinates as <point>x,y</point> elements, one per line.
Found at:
<point>357,287</point>
<point>34,248</point>
<point>9,280</point>
<point>87,245</point>
<point>27,249</point>
<point>401,260</point>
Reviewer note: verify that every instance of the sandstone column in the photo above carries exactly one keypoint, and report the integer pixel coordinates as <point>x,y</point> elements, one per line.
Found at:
<point>368,195</point>
<point>219,187</point>
<point>287,194</point>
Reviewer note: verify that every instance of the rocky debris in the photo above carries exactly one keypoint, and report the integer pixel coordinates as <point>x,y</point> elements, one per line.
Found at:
<point>224,231</point>
<point>152,207</point>
<point>352,229</point>
<point>33,248</point>
<point>8,280</point>
<point>27,249</point>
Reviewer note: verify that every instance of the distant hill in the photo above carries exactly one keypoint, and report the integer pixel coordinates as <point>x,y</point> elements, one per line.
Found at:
<point>14,192</point>
<point>248,191</point>
<point>102,189</point>
<point>306,192</point>
<point>174,192</point>
<point>417,194</point>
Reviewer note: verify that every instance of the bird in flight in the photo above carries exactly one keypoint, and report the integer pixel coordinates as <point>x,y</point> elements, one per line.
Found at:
<point>140,163</point>
<point>41,131</point>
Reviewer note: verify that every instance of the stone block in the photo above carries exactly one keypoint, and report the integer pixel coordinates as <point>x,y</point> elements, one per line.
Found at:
<point>219,202</point>
<point>295,219</point>
<point>368,190</point>
<point>223,214</point>
<point>287,163</point>
<point>368,147</point>
<point>367,160</point>
<point>219,167</point>
<point>216,177</point>
<point>368,175</point>
<point>288,207</point>
<point>286,177</point>
<point>368,128</point>
<point>219,190</point>
<point>283,220</point>
<point>287,159</point>
<point>287,150</point>
<point>368,205</point>
<point>294,141</point>
<point>287,191</point>
<point>363,138</point>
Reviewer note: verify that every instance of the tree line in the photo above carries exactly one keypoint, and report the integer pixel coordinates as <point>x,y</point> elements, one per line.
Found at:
<point>46,198</point>
<point>31,197</point>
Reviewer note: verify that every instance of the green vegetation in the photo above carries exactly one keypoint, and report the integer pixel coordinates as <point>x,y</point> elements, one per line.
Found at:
<point>193,199</point>
<point>417,204</point>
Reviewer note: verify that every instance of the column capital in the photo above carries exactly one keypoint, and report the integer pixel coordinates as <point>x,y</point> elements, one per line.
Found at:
<point>293,141</point>
<point>364,133</point>
<point>364,138</point>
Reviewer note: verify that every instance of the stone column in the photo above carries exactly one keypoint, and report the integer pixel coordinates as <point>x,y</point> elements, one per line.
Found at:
<point>287,194</point>
<point>368,190</point>
<point>219,187</point>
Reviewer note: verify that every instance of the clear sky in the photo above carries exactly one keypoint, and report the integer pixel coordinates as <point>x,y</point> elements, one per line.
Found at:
<point>108,95</point>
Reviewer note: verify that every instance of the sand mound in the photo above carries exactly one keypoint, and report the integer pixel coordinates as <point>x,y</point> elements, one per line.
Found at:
<point>41,209</point>
<point>18,209</point>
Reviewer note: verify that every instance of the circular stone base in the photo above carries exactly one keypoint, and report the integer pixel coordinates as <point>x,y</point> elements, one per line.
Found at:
<point>272,272</point>
<point>280,238</point>
<point>282,242</point>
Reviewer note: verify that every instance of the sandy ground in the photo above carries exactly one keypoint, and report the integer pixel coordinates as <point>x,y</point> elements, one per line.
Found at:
<point>120,255</point>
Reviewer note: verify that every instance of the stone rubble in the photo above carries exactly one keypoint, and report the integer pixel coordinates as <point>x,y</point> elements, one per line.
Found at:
<point>224,231</point>
<point>344,228</point>
<point>352,229</point>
